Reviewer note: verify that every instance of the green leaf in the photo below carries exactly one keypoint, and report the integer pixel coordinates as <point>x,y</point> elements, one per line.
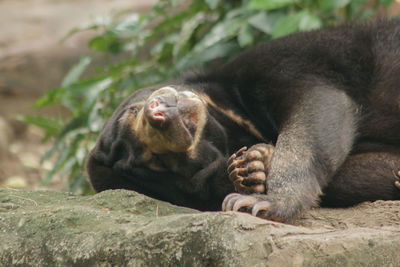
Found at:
<point>245,37</point>
<point>385,3</point>
<point>365,14</point>
<point>108,42</point>
<point>163,49</point>
<point>76,71</point>
<point>170,24</point>
<point>78,181</point>
<point>221,31</point>
<point>309,21</point>
<point>128,24</point>
<point>68,166</point>
<point>98,43</point>
<point>270,4</point>
<point>300,21</point>
<point>52,97</point>
<point>330,5</point>
<point>219,50</point>
<point>79,29</point>
<point>212,3</point>
<point>261,21</point>
<point>95,120</point>
<point>63,157</point>
<point>356,7</point>
<point>187,31</point>
<point>286,25</point>
<point>50,125</point>
<point>89,90</point>
<point>241,11</point>
<point>71,129</point>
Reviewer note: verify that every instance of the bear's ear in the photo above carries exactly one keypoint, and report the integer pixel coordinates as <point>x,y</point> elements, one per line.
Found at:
<point>100,175</point>
<point>111,170</point>
<point>112,160</point>
<point>114,150</point>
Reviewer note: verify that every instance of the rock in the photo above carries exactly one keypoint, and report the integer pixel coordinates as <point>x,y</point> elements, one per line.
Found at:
<point>124,228</point>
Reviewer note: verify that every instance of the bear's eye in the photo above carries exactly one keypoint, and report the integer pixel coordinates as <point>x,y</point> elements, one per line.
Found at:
<point>134,110</point>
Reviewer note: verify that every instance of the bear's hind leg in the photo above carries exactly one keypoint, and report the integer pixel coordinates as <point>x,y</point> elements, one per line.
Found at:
<point>366,176</point>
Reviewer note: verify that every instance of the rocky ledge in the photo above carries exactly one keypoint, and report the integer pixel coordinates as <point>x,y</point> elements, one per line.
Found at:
<point>124,228</point>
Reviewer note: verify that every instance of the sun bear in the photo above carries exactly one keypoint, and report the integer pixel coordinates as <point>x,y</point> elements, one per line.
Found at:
<point>305,120</point>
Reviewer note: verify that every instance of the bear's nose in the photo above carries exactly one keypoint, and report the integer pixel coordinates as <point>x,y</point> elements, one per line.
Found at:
<point>158,110</point>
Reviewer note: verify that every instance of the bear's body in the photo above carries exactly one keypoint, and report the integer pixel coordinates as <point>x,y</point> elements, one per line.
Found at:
<point>328,100</point>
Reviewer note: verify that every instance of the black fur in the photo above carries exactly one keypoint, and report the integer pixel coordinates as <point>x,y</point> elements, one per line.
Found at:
<point>329,100</point>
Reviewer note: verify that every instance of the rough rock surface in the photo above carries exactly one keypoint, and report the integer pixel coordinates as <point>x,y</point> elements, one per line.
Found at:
<point>124,228</point>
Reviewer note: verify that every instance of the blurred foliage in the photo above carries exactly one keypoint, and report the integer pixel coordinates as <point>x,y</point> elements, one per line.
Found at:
<point>172,38</point>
